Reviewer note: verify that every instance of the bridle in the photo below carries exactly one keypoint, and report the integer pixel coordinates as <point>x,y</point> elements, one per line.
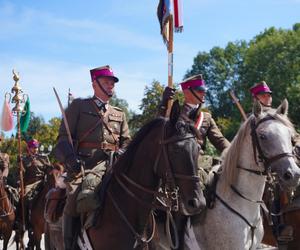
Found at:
<point>260,159</point>
<point>259,156</point>
<point>2,198</point>
<point>167,197</point>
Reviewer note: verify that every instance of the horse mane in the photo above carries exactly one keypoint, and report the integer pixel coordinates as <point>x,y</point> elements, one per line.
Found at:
<point>231,155</point>
<point>126,158</point>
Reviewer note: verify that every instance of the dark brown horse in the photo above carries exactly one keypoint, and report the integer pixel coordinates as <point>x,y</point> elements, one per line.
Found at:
<point>290,215</point>
<point>163,154</point>
<point>7,214</point>
<point>36,221</point>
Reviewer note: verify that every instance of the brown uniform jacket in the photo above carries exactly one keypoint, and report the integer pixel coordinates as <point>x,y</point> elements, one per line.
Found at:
<point>4,164</point>
<point>210,130</point>
<point>35,168</point>
<point>95,130</point>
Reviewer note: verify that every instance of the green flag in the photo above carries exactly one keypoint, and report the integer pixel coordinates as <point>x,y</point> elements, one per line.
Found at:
<point>25,118</point>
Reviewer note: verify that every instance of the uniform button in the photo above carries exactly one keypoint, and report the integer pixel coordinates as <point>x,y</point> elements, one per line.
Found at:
<point>105,133</point>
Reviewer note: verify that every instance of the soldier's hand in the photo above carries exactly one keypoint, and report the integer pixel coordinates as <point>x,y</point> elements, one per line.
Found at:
<point>168,94</point>
<point>74,169</point>
<point>119,152</point>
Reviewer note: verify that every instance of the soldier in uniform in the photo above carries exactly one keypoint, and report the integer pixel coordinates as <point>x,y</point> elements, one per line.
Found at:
<point>98,131</point>
<point>194,90</point>
<point>35,169</point>
<point>4,165</point>
<point>262,92</point>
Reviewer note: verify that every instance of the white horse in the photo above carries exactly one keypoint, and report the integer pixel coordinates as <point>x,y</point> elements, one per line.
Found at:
<point>262,144</point>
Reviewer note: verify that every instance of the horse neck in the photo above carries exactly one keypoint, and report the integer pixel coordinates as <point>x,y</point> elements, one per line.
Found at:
<point>140,172</point>
<point>249,184</point>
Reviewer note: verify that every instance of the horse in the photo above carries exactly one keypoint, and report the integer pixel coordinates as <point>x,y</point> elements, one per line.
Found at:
<point>160,163</point>
<point>290,214</point>
<point>36,221</point>
<point>262,145</point>
<point>7,215</point>
<point>53,228</point>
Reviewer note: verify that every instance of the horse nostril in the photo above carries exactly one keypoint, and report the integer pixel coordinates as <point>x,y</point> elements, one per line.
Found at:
<point>287,176</point>
<point>193,203</point>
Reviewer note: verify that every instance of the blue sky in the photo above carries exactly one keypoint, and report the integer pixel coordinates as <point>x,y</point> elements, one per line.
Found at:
<point>55,43</point>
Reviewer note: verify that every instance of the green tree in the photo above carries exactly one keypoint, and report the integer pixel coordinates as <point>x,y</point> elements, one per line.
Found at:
<point>274,56</point>
<point>150,103</point>
<point>221,69</point>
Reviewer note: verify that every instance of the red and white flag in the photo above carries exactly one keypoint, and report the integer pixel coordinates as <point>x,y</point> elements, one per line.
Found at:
<point>178,22</point>
<point>6,117</point>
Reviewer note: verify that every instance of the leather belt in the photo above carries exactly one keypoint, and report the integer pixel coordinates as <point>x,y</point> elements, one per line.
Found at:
<point>99,145</point>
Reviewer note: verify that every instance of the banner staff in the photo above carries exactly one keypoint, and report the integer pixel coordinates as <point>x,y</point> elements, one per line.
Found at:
<point>19,111</point>
<point>169,13</point>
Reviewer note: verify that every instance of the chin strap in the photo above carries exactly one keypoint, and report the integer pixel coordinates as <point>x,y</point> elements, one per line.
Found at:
<point>268,106</point>
<point>104,91</point>
<point>195,95</point>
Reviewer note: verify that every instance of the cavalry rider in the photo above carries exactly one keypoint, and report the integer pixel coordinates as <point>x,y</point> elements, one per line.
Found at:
<point>35,167</point>
<point>194,91</point>
<point>98,131</point>
<point>262,92</point>
<point>4,164</point>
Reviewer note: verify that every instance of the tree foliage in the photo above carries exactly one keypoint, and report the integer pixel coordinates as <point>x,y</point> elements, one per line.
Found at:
<point>272,56</point>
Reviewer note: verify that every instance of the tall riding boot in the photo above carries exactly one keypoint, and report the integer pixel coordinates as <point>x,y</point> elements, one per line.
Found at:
<point>71,227</point>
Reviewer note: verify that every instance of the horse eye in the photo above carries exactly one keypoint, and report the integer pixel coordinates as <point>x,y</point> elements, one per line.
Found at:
<point>262,137</point>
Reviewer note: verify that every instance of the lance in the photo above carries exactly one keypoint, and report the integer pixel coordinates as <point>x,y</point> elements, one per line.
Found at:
<point>64,118</point>
<point>239,106</point>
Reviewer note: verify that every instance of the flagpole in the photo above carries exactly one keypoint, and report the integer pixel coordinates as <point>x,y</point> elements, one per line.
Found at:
<point>19,99</point>
<point>170,62</point>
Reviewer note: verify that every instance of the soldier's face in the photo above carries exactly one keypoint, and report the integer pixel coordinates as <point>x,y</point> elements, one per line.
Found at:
<point>265,99</point>
<point>33,150</point>
<point>190,98</point>
<point>107,83</point>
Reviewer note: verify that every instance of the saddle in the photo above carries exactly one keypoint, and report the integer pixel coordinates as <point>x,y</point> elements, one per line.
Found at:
<point>55,202</point>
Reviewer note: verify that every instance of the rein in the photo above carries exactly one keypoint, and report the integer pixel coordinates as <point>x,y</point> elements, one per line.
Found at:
<point>259,157</point>
<point>257,148</point>
<point>168,198</point>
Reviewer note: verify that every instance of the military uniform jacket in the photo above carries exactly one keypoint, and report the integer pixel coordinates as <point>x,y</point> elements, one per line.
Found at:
<point>4,164</point>
<point>35,168</point>
<point>95,130</point>
<point>208,129</point>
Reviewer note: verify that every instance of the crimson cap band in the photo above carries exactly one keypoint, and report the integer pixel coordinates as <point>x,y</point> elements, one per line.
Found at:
<point>195,82</point>
<point>260,88</point>
<point>105,71</point>
<point>33,143</point>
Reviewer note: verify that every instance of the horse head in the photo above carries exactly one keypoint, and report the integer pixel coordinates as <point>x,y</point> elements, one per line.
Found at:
<point>272,134</point>
<point>182,151</point>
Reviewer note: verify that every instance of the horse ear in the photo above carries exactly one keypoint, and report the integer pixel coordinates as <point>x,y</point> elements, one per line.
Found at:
<point>175,112</point>
<point>283,108</point>
<point>257,108</point>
